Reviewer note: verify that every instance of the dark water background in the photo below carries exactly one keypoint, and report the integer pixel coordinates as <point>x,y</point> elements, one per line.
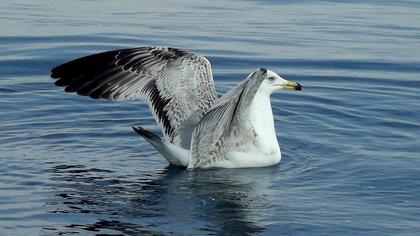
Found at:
<point>350,139</point>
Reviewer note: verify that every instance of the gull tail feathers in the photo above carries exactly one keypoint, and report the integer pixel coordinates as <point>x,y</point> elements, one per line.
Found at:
<point>173,154</point>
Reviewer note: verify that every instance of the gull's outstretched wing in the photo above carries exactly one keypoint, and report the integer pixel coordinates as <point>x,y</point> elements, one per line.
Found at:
<point>178,85</point>
<point>226,126</point>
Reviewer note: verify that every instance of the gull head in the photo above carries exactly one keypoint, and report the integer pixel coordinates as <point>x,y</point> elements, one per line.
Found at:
<point>273,82</point>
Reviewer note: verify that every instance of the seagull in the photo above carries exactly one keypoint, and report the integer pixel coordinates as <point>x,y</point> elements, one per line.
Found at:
<point>200,129</point>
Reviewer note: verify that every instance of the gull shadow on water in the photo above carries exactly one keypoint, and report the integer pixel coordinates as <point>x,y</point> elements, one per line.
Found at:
<point>169,201</point>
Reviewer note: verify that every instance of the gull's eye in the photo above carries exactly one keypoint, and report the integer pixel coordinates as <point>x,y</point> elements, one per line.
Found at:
<point>271,78</point>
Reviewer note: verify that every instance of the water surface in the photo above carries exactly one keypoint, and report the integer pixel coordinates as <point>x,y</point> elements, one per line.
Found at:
<point>350,139</point>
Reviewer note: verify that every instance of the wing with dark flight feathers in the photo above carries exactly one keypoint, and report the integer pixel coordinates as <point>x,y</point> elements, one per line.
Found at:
<point>178,85</point>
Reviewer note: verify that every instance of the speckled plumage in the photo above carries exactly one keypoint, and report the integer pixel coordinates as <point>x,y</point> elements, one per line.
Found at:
<point>229,124</point>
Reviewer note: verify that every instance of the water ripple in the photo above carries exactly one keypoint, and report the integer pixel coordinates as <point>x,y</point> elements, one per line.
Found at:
<point>70,165</point>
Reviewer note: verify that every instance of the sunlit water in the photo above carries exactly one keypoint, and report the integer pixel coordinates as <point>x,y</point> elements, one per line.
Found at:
<point>350,139</point>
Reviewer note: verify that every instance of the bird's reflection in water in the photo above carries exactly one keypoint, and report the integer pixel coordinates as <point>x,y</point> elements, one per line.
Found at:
<point>172,200</point>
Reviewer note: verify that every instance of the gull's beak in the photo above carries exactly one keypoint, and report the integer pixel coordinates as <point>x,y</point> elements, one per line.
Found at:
<point>292,85</point>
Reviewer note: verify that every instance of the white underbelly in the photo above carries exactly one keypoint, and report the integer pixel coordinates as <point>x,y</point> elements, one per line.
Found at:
<point>246,160</point>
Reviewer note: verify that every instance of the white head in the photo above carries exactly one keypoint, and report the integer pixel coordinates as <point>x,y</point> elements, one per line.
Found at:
<point>273,82</point>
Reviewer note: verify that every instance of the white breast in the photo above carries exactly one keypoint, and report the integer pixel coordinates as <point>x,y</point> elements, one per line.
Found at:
<point>262,119</point>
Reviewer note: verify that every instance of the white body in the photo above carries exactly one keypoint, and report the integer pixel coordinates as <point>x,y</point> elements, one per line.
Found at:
<point>267,150</point>
<point>268,153</point>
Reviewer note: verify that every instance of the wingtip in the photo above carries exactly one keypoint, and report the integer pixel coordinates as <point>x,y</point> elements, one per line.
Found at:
<point>137,129</point>
<point>145,133</point>
<point>54,76</point>
<point>58,82</point>
<point>54,72</point>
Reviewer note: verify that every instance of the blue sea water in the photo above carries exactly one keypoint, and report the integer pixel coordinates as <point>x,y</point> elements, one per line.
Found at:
<point>350,140</point>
